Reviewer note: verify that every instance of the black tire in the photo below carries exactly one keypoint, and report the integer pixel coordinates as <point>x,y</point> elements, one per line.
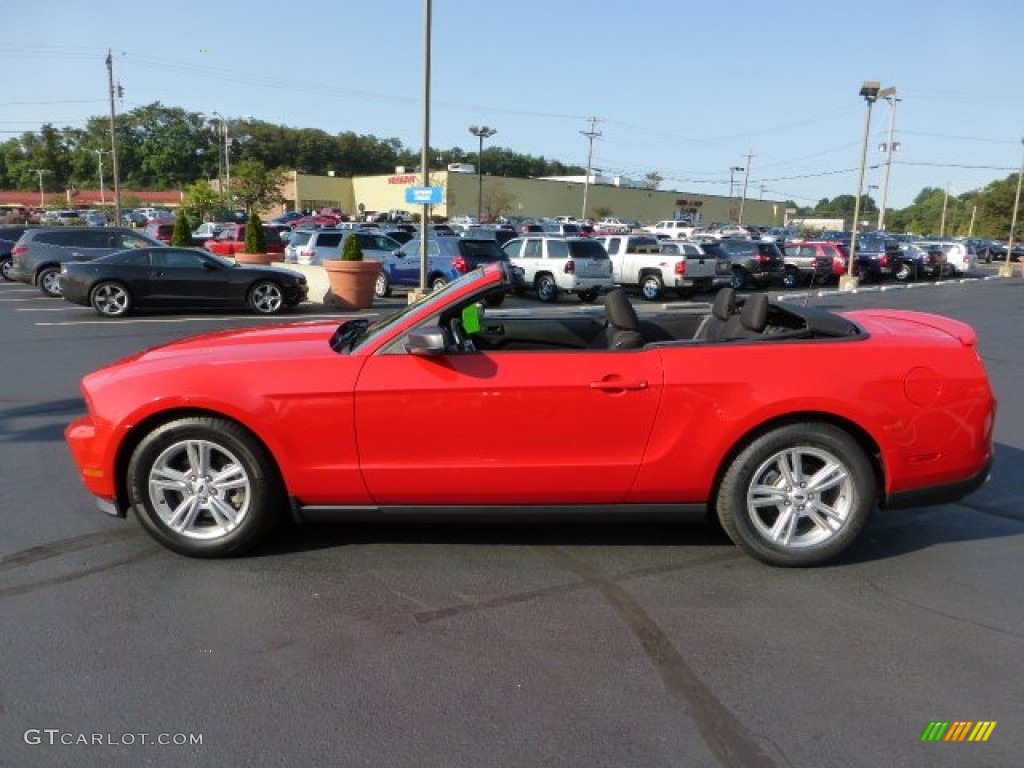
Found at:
<point>111,299</point>
<point>437,283</point>
<point>652,288</point>
<point>589,297</point>
<point>382,288</point>
<point>266,298</point>
<point>49,282</point>
<point>547,289</point>
<point>6,264</point>
<point>234,505</point>
<point>904,272</point>
<point>791,279</point>
<point>740,279</point>
<point>794,508</point>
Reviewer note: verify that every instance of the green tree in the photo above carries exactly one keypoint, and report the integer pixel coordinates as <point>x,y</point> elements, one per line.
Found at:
<point>204,201</point>
<point>255,238</point>
<point>257,186</point>
<point>352,251</point>
<point>182,234</point>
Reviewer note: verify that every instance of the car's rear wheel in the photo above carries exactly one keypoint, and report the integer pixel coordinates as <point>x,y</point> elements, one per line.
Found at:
<point>382,288</point>
<point>904,272</point>
<point>266,298</point>
<point>651,287</point>
<point>437,283</point>
<point>6,265</point>
<point>740,279</point>
<point>797,495</point>
<point>589,297</point>
<point>111,299</point>
<point>49,282</point>
<point>547,289</point>
<point>791,278</point>
<point>204,487</point>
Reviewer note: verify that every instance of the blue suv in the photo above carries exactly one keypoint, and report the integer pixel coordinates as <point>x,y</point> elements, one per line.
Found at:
<point>448,257</point>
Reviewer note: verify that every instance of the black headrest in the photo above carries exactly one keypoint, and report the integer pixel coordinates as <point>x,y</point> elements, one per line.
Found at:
<point>724,305</point>
<point>754,315</point>
<point>620,311</point>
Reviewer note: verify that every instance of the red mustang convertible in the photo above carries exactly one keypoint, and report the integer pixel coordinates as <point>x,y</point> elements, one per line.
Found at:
<point>789,424</point>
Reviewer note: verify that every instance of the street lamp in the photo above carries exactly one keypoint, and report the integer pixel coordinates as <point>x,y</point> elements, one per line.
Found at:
<point>1007,269</point>
<point>733,170</point>
<point>42,195</point>
<point>99,156</point>
<point>871,90</point>
<point>889,147</point>
<point>481,132</point>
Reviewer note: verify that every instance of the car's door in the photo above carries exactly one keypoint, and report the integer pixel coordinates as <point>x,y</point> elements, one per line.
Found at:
<point>181,277</point>
<point>506,427</point>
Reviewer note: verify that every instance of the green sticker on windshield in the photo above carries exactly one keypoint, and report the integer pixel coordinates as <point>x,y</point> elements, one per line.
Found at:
<point>471,318</point>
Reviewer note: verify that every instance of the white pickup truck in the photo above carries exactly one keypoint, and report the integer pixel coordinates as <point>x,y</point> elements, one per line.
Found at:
<point>641,262</point>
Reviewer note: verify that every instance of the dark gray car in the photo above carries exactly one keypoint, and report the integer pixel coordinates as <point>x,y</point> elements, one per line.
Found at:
<point>38,254</point>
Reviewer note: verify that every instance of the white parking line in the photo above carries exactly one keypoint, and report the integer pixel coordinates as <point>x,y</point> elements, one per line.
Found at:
<point>232,318</point>
<point>65,308</point>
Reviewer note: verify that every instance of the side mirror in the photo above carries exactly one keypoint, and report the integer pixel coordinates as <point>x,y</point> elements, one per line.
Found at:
<point>425,343</point>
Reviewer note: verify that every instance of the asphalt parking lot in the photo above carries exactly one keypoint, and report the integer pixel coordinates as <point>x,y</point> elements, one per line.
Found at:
<point>593,644</point>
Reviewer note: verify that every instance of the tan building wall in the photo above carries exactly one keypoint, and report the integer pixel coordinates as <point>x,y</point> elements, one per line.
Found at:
<point>519,197</point>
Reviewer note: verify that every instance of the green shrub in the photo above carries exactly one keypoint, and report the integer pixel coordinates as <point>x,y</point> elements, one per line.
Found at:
<point>255,239</point>
<point>182,234</point>
<point>352,251</point>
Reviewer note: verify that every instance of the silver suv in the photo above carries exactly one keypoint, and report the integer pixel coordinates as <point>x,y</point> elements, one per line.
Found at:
<point>556,265</point>
<point>38,254</point>
<point>314,246</point>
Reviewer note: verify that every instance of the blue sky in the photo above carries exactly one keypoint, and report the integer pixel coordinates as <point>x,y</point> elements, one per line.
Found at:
<point>681,88</point>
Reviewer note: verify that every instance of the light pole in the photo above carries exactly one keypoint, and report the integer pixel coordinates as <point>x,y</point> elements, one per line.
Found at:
<point>1007,269</point>
<point>592,134</point>
<point>481,132</point>
<point>889,147</point>
<point>99,157</point>
<point>871,90</point>
<point>42,196</point>
<point>733,170</point>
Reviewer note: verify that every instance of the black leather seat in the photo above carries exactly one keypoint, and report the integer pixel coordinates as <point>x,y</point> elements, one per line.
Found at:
<point>623,331</point>
<point>722,309</point>
<point>751,321</point>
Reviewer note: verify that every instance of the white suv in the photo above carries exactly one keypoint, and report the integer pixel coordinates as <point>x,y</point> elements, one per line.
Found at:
<point>675,230</point>
<point>556,265</point>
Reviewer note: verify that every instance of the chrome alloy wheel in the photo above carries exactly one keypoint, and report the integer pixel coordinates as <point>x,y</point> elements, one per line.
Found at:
<point>199,489</point>
<point>266,298</point>
<point>800,497</point>
<point>111,299</point>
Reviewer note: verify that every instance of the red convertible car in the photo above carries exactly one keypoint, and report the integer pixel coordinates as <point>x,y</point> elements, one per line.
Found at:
<point>789,424</point>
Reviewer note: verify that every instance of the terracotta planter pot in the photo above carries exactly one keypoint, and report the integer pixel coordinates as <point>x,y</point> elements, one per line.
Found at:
<point>352,282</point>
<point>254,258</point>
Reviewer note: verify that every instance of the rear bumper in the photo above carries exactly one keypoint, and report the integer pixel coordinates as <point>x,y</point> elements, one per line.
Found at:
<point>939,494</point>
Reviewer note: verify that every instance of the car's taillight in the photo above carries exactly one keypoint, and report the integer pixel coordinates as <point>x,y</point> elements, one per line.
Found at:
<point>764,258</point>
<point>570,267</point>
<point>19,250</point>
<point>460,265</point>
<point>680,267</point>
<point>884,261</point>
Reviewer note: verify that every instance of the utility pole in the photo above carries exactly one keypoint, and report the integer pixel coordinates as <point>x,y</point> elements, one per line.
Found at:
<point>888,148</point>
<point>42,195</point>
<point>99,156</point>
<point>942,223</point>
<point>592,134</point>
<point>113,138</point>
<point>746,181</point>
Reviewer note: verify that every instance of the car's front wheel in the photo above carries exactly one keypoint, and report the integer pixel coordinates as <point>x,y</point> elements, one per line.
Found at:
<point>266,298</point>
<point>791,278</point>
<point>382,288</point>
<point>651,287</point>
<point>204,487</point>
<point>6,264</point>
<point>437,283</point>
<point>49,282</point>
<point>547,289</point>
<point>111,299</point>
<point>904,272</point>
<point>797,495</point>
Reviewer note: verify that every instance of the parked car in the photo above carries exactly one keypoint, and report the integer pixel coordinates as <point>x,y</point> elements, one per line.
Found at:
<point>876,257</point>
<point>314,246</point>
<point>655,268</point>
<point>960,255</point>
<point>754,262</point>
<point>812,262</point>
<point>122,282</point>
<point>213,441</point>
<point>918,261</point>
<point>160,229</point>
<point>9,235</point>
<point>497,232</point>
<point>555,265</point>
<point>231,240</point>
<point>448,258</point>
<point>673,229</point>
<point>206,231</point>
<point>40,252</point>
